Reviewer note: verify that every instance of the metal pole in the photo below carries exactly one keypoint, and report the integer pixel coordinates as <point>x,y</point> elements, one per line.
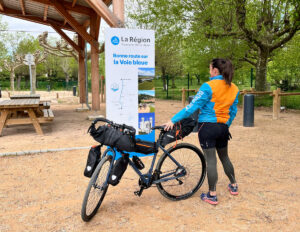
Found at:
<point>86,78</point>
<point>30,79</point>
<point>188,84</point>
<point>251,76</point>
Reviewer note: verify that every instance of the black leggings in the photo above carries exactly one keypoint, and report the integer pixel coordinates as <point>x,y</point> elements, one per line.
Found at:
<point>212,137</point>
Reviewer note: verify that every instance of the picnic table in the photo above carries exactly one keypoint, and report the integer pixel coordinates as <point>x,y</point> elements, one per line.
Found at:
<point>24,111</point>
<point>43,104</point>
<point>25,96</point>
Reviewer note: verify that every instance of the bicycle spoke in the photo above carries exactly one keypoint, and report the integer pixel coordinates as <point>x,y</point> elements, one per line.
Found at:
<point>192,163</point>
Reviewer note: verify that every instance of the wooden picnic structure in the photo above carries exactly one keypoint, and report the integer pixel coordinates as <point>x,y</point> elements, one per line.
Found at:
<point>76,16</point>
<point>25,111</point>
<point>275,93</point>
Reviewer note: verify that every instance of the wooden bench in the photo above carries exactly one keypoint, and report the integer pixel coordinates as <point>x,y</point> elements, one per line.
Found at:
<point>48,114</point>
<point>45,104</point>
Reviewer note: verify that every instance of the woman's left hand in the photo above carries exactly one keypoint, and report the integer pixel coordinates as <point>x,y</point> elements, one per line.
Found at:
<point>169,125</point>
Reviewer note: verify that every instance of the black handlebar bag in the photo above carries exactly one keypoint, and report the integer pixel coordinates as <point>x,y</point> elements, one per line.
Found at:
<point>110,136</point>
<point>180,130</point>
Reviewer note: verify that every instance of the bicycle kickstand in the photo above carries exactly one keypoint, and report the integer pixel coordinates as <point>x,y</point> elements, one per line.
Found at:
<point>139,193</point>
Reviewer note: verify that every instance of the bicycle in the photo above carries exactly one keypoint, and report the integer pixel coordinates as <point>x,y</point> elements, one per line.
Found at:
<point>179,172</point>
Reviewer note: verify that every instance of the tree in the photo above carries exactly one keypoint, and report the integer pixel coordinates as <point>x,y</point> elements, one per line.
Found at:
<point>242,30</point>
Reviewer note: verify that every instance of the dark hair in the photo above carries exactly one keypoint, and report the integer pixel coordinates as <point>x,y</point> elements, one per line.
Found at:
<point>225,68</point>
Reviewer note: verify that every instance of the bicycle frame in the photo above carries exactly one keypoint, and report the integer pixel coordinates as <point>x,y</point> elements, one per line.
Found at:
<point>149,174</point>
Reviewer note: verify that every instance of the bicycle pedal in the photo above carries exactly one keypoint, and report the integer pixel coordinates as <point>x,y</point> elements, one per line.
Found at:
<point>139,193</point>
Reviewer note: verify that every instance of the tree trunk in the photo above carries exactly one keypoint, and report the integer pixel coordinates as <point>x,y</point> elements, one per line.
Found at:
<point>19,82</point>
<point>33,73</point>
<point>67,79</point>
<point>12,79</point>
<point>261,70</point>
<point>173,82</point>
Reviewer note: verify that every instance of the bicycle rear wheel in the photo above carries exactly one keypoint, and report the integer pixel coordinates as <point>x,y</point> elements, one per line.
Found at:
<point>96,190</point>
<point>193,161</point>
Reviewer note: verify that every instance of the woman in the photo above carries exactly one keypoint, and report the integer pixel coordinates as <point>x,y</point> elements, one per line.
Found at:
<point>217,100</point>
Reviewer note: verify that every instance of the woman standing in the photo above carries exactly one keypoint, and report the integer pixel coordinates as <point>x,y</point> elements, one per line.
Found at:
<point>217,100</point>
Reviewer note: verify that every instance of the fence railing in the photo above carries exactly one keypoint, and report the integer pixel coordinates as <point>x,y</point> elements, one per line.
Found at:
<point>276,94</point>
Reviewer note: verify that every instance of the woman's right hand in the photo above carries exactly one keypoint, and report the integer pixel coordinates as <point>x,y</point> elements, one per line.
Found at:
<point>169,125</point>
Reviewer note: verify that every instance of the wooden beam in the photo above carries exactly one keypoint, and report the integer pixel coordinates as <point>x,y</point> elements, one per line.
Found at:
<point>86,23</point>
<point>74,3</point>
<point>2,5</point>
<point>77,27</point>
<point>18,14</point>
<point>102,10</point>
<point>67,38</point>
<point>23,7</point>
<point>68,5</point>
<point>45,12</point>
<point>118,9</point>
<point>81,72</point>
<point>94,31</point>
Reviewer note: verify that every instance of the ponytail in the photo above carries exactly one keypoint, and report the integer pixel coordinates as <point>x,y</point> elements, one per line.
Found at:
<point>225,68</point>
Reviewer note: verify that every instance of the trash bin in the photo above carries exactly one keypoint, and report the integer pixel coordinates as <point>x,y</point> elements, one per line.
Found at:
<point>195,114</point>
<point>48,88</point>
<point>74,90</point>
<point>248,118</point>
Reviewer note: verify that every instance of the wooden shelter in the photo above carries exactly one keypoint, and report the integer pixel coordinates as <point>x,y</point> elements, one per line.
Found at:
<point>76,16</point>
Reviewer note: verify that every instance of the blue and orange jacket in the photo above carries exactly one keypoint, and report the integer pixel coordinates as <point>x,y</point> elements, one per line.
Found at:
<point>216,100</point>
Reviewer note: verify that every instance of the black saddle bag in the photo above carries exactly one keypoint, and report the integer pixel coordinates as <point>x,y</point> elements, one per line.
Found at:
<point>180,130</point>
<point>118,170</point>
<point>93,160</point>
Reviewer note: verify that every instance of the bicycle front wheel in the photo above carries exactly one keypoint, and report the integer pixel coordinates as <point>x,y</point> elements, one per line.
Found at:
<point>96,190</point>
<point>193,161</point>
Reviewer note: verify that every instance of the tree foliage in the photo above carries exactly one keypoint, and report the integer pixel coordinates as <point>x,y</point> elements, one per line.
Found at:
<point>242,30</point>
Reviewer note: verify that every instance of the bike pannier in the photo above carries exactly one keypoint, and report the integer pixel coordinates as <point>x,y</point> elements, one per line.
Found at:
<point>118,170</point>
<point>179,131</point>
<point>145,147</point>
<point>93,159</point>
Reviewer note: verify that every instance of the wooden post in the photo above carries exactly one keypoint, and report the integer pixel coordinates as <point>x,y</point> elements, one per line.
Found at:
<point>276,103</point>
<point>118,9</point>
<point>94,30</point>
<point>104,99</point>
<point>81,72</point>
<point>57,96</point>
<point>183,97</point>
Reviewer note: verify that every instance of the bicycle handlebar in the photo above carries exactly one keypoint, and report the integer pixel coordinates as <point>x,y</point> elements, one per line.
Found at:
<point>158,127</point>
<point>122,126</point>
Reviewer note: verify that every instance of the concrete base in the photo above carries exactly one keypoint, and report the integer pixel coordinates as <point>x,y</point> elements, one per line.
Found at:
<point>93,117</point>
<point>82,109</point>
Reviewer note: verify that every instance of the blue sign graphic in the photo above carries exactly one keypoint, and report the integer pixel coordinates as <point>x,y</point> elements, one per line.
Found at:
<point>115,40</point>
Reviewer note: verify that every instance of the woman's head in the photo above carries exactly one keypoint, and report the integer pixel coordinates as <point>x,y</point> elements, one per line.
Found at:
<point>222,67</point>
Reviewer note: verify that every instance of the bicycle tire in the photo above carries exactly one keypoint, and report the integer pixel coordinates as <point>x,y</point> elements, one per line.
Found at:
<point>186,150</point>
<point>102,173</point>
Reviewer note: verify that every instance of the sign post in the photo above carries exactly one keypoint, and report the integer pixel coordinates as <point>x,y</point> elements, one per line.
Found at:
<point>130,73</point>
<point>29,60</point>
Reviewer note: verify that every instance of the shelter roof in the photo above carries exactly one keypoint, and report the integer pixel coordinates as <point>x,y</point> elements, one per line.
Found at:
<point>49,12</point>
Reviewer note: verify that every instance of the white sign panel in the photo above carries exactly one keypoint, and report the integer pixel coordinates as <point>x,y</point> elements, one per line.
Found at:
<point>29,59</point>
<point>127,52</point>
